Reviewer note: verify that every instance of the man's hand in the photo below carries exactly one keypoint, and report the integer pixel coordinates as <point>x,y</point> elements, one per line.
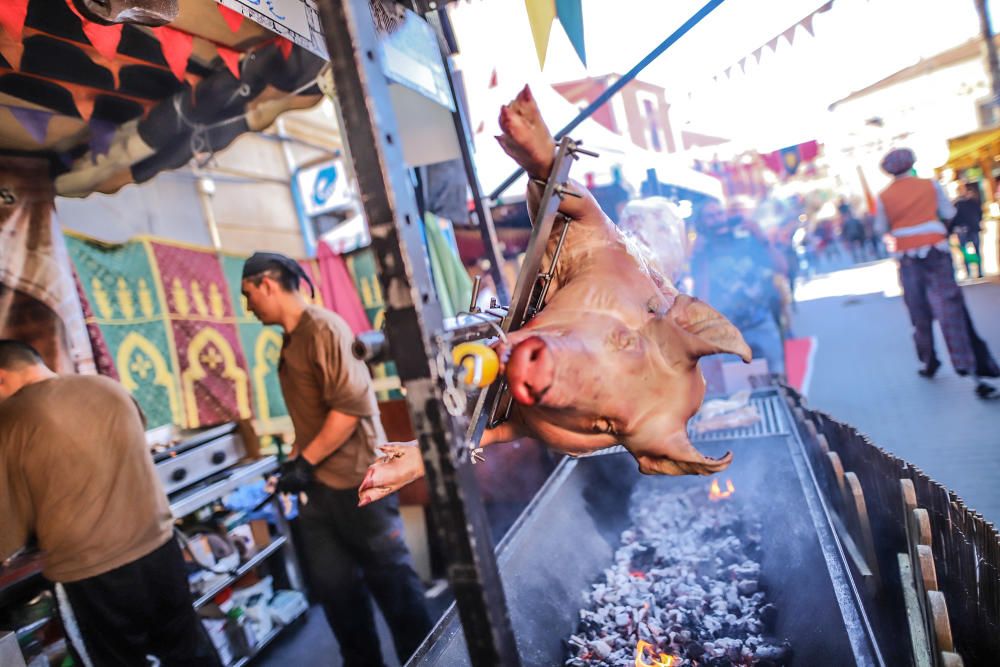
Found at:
<point>296,475</point>
<point>399,465</point>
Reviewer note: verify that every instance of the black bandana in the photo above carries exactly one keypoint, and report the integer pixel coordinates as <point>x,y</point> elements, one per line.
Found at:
<point>261,262</point>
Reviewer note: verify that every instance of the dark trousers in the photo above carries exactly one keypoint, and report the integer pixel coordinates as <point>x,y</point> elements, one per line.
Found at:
<point>143,608</point>
<point>966,236</point>
<point>930,293</point>
<point>355,553</point>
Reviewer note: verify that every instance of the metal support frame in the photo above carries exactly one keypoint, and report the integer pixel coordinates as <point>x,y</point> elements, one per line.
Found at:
<point>484,219</point>
<point>413,319</point>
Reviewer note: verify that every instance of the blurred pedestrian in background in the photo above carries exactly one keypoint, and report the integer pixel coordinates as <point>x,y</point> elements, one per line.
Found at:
<point>967,225</point>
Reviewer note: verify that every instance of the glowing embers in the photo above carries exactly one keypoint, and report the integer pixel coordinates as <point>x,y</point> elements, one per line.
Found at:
<point>716,494</point>
<point>644,649</point>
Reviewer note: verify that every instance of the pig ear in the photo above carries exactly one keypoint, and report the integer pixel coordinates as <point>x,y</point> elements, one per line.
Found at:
<point>709,332</point>
<point>677,456</point>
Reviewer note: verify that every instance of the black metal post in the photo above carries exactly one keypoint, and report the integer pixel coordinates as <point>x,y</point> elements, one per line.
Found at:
<point>484,219</point>
<point>620,83</point>
<point>413,320</point>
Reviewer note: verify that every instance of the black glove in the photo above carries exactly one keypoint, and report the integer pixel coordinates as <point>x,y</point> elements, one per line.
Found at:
<point>296,475</point>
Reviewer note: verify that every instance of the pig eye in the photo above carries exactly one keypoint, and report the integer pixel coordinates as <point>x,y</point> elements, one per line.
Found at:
<point>604,425</point>
<point>623,340</point>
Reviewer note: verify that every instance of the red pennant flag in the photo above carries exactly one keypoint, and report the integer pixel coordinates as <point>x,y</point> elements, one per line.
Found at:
<point>176,46</point>
<point>12,15</point>
<point>84,100</point>
<point>285,46</point>
<point>493,79</point>
<point>11,52</point>
<point>773,44</point>
<point>105,38</point>
<point>481,127</point>
<point>232,18</point>
<point>231,57</point>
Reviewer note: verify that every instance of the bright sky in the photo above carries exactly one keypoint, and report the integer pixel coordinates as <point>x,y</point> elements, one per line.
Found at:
<point>781,101</point>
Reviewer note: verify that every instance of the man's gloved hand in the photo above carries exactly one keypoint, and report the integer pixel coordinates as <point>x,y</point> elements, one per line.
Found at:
<point>296,475</point>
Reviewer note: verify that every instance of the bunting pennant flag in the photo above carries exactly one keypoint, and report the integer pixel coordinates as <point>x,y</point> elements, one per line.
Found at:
<point>807,23</point>
<point>261,347</point>
<point>285,46</point>
<point>232,18</point>
<point>84,100</point>
<point>11,51</point>
<point>570,13</point>
<point>727,72</point>
<point>541,14</point>
<point>176,46</point>
<point>12,16</point>
<point>742,64</point>
<point>119,284</point>
<point>231,58</point>
<point>790,34</point>
<point>35,121</point>
<point>104,38</point>
<point>214,383</point>
<point>869,197</point>
<point>493,79</point>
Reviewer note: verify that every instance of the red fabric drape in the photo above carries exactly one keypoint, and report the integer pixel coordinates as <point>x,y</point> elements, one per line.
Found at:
<point>338,290</point>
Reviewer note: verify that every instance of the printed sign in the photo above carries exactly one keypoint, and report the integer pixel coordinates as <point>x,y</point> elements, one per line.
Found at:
<point>296,20</point>
<point>323,187</point>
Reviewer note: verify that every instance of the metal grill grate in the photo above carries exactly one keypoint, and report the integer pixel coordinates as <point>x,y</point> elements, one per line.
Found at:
<point>773,421</point>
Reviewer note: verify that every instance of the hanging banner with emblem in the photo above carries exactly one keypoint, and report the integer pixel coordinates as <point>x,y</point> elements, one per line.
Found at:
<point>295,20</point>
<point>123,302</point>
<point>215,385</point>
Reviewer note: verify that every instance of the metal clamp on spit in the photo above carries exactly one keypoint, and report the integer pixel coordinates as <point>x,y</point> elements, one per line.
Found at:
<point>494,404</point>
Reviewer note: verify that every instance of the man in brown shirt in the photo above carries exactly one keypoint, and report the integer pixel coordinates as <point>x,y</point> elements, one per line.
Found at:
<point>76,474</point>
<point>350,550</point>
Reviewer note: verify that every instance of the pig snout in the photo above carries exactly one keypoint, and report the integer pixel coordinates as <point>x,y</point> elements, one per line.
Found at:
<point>530,371</point>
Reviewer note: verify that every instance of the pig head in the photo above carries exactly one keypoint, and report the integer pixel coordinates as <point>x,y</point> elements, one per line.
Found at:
<point>612,356</point>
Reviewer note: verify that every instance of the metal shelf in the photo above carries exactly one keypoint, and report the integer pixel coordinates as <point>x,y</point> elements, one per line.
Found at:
<point>267,639</point>
<point>199,497</point>
<point>256,560</point>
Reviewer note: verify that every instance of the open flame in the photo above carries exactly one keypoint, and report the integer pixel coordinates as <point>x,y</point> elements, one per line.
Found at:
<point>640,656</point>
<point>716,494</point>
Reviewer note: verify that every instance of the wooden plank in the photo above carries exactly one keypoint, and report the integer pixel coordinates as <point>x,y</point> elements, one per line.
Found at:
<point>921,524</point>
<point>914,615</point>
<point>838,476</point>
<point>928,571</point>
<point>939,618</point>
<point>949,659</point>
<point>824,445</point>
<point>866,540</point>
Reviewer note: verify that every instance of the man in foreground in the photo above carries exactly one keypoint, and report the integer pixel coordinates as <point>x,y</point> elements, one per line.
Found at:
<point>75,473</point>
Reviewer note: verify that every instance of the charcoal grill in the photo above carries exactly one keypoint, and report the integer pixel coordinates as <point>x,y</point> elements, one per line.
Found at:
<point>568,534</point>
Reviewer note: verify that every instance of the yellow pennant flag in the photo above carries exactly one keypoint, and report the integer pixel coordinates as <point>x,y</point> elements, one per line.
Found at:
<point>541,13</point>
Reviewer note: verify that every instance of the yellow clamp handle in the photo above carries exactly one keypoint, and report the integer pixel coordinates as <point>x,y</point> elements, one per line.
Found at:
<point>479,364</point>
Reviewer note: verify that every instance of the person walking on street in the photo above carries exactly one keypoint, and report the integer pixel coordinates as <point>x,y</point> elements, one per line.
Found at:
<point>350,550</point>
<point>967,224</point>
<point>733,267</point>
<point>76,474</point>
<point>910,210</point>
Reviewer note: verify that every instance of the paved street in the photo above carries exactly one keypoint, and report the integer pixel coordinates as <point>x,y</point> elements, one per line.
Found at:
<point>865,374</point>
